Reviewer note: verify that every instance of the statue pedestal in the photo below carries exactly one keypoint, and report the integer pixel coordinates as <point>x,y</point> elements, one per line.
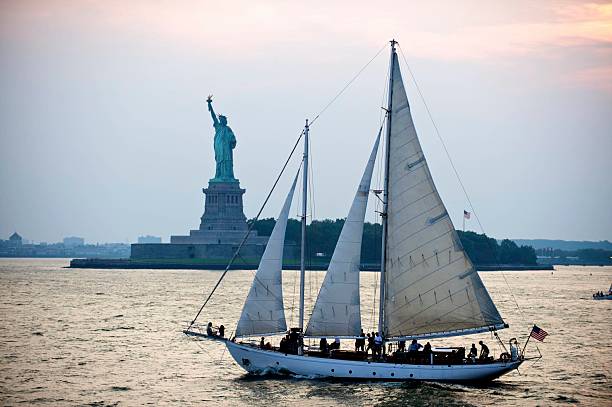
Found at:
<point>222,228</point>
<point>223,221</point>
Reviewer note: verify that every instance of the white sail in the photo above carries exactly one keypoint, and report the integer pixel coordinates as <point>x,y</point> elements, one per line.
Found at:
<point>336,311</point>
<point>263,311</point>
<point>432,288</point>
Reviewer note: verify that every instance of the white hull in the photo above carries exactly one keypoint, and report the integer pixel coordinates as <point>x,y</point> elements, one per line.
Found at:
<point>258,361</point>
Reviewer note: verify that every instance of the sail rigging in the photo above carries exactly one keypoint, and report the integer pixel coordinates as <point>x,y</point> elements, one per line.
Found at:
<point>337,308</point>
<point>263,311</point>
<point>431,288</point>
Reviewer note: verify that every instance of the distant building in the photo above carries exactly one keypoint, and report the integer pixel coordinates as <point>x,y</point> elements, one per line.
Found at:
<point>73,241</point>
<point>15,240</point>
<point>149,239</point>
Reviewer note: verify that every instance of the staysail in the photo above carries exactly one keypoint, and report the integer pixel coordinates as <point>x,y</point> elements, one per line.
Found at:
<point>431,287</point>
<point>336,311</point>
<point>263,311</point>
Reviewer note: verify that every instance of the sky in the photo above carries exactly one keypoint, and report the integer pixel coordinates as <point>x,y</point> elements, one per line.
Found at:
<point>104,131</point>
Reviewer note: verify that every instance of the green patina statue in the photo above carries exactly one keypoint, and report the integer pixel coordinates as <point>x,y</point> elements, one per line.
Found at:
<point>224,143</point>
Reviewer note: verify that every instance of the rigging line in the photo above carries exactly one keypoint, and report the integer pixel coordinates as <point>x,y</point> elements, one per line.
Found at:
<point>246,236</point>
<point>454,168</point>
<point>348,84</point>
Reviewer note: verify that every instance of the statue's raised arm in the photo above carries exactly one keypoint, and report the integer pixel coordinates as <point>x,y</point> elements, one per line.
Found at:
<point>212,112</point>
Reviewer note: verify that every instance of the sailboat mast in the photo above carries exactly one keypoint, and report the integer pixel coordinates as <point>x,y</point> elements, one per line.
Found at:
<point>303,246</point>
<point>383,257</point>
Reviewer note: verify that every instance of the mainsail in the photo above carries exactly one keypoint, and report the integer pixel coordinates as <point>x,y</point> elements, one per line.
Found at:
<point>336,311</point>
<point>432,288</point>
<point>263,311</point>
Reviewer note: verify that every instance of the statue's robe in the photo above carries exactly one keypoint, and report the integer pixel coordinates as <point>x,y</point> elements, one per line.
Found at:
<point>224,143</point>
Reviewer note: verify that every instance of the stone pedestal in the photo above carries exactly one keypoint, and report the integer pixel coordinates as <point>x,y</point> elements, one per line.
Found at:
<point>223,226</point>
<point>223,221</point>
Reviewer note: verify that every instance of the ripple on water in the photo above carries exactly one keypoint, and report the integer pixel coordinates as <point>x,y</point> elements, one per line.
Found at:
<point>120,388</point>
<point>564,399</point>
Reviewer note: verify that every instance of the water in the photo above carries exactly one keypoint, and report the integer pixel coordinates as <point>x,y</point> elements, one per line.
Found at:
<point>112,337</point>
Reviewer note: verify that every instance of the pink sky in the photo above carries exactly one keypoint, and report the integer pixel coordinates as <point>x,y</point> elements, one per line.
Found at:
<point>521,88</point>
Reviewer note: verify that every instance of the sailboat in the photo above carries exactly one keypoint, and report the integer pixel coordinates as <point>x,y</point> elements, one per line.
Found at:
<point>429,288</point>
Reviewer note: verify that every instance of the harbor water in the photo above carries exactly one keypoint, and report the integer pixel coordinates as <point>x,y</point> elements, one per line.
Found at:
<point>113,337</point>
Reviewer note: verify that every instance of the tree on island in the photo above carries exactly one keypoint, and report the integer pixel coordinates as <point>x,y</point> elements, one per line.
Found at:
<point>323,235</point>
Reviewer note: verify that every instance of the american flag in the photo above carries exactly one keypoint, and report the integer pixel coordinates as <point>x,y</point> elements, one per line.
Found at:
<point>538,333</point>
<point>466,214</point>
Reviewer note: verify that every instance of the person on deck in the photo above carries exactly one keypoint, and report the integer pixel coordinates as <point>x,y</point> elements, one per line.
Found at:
<point>284,344</point>
<point>323,347</point>
<point>222,331</point>
<point>336,344</point>
<point>427,348</point>
<point>378,343</point>
<point>360,342</point>
<point>209,329</point>
<point>484,351</point>
<point>262,343</point>
<point>414,346</point>
<point>401,346</point>
<point>514,350</point>
<point>473,353</point>
<point>370,344</point>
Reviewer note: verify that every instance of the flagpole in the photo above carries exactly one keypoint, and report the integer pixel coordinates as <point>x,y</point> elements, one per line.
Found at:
<point>528,338</point>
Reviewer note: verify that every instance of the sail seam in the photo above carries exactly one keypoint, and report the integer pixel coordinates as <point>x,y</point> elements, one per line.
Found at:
<point>426,243</point>
<point>422,325</point>
<point>414,265</point>
<point>428,274</point>
<point>421,198</point>
<point>418,231</point>
<point>410,187</point>
<point>447,313</point>
<point>418,152</point>
<point>425,292</point>
<point>414,218</point>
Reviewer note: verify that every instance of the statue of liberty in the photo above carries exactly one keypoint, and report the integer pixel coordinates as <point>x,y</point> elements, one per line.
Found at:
<point>224,143</point>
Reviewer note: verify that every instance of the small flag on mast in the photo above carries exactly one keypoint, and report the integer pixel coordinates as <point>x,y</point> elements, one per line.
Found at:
<point>466,214</point>
<point>538,333</point>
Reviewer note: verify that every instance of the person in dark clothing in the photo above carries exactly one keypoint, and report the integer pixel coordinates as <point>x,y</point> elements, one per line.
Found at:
<point>360,342</point>
<point>473,353</point>
<point>370,344</point>
<point>484,351</point>
<point>283,344</point>
<point>209,329</point>
<point>401,346</point>
<point>262,343</point>
<point>323,345</point>
<point>414,346</point>
<point>222,331</point>
<point>427,348</point>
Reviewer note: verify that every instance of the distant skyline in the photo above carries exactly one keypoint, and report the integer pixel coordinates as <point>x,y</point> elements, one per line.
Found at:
<point>104,132</point>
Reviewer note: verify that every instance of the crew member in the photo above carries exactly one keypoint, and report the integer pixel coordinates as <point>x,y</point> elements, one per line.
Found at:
<point>484,351</point>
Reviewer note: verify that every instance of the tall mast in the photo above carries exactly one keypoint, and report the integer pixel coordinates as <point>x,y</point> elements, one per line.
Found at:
<point>383,259</point>
<point>303,247</point>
